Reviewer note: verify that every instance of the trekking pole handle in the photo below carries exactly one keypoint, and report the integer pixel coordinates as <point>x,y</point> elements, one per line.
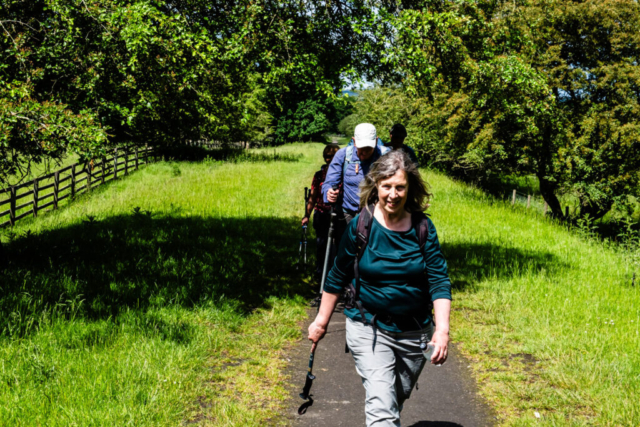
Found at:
<point>310,377</point>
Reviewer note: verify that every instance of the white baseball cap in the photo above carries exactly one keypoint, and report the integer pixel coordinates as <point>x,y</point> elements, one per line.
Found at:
<point>365,135</point>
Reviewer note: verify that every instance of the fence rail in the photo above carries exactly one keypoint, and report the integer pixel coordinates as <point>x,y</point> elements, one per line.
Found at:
<point>529,201</point>
<point>90,174</point>
<point>94,173</point>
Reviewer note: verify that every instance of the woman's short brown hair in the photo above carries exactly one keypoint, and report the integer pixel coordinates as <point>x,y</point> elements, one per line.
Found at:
<point>330,150</point>
<point>387,166</point>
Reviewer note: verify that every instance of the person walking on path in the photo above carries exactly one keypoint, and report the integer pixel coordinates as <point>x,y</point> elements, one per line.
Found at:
<point>320,209</point>
<point>397,283</point>
<point>397,135</point>
<point>348,168</point>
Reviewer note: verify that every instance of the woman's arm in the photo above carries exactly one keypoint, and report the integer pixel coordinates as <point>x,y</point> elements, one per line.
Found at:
<point>338,277</point>
<point>311,203</point>
<point>334,176</point>
<point>440,290</point>
<point>440,339</point>
<point>319,326</point>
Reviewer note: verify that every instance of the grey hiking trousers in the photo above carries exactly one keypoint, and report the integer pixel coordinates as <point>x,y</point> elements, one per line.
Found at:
<point>389,364</point>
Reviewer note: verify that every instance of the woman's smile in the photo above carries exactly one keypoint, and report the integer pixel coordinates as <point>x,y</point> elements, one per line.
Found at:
<point>392,192</point>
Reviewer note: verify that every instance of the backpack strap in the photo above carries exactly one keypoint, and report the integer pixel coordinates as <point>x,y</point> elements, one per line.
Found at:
<point>421,225</point>
<point>348,159</point>
<point>363,229</point>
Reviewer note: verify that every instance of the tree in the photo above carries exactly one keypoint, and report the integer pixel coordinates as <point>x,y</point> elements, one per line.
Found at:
<point>155,72</point>
<point>82,76</point>
<point>545,87</point>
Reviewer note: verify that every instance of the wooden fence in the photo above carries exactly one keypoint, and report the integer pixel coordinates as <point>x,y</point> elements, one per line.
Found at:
<point>31,198</point>
<point>46,192</point>
<point>529,200</point>
<point>534,202</point>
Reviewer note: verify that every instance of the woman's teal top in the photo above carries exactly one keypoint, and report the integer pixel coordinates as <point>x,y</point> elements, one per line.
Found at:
<point>393,283</point>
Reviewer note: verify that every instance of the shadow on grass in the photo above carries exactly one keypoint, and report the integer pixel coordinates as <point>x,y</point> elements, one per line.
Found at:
<point>138,261</point>
<point>470,263</point>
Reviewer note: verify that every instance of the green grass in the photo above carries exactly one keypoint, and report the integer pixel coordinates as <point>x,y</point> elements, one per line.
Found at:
<point>43,168</point>
<point>169,297</point>
<point>548,318</point>
<point>162,298</point>
<point>610,225</point>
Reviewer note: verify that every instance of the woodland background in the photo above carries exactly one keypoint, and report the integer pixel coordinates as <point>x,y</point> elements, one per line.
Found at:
<point>489,89</point>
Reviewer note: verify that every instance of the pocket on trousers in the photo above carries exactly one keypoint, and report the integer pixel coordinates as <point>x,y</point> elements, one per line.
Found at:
<point>358,334</point>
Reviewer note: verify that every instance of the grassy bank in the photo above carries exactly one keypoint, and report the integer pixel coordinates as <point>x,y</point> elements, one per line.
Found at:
<point>549,319</point>
<point>163,298</point>
<point>169,296</point>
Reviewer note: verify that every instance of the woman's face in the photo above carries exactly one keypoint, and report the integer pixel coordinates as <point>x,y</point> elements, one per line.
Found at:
<point>392,192</point>
<point>329,157</point>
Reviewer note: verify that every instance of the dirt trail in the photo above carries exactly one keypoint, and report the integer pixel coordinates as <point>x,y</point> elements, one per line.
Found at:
<point>446,396</point>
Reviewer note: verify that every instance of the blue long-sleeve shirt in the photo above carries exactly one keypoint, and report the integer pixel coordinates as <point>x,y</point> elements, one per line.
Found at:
<point>392,275</point>
<point>351,180</point>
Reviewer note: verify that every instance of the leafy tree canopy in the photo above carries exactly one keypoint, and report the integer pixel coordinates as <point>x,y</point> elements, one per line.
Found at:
<point>544,87</point>
<point>81,76</point>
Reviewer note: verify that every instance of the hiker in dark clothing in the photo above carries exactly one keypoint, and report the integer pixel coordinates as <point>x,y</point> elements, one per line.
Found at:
<point>320,209</point>
<point>397,135</point>
<point>401,275</point>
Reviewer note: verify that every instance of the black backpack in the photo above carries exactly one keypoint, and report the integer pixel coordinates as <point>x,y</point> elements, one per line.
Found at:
<point>363,229</point>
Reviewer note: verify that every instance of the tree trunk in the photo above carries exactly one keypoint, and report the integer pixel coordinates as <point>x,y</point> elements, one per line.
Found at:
<point>548,191</point>
<point>548,188</point>
<point>594,211</point>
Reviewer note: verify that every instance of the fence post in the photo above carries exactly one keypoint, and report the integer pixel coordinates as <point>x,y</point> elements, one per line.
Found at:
<point>35,198</point>
<point>126,162</point>
<point>546,207</point>
<point>513,199</point>
<point>56,186</point>
<point>12,206</point>
<point>136,157</point>
<point>104,163</point>
<point>88,166</point>
<point>115,164</point>
<point>528,200</point>
<point>73,181</point>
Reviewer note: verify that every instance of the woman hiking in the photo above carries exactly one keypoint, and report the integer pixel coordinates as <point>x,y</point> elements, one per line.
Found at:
<point>396,275</point>
<point>320,209</point>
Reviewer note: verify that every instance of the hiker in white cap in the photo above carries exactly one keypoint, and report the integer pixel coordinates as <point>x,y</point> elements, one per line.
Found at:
<point>347,169</point>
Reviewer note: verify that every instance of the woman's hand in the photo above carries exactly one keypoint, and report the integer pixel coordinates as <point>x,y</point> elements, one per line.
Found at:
<point>316,331</point>
<point>305,221</point>
<point>332,195</point>
<point>319,326</point>
<point>440,340</point>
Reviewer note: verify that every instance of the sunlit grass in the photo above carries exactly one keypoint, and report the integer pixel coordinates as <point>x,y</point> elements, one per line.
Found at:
<point>549,319</point>
<point>170,296</point>
<point>162,298</point>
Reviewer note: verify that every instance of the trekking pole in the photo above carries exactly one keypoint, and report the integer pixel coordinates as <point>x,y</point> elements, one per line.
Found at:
<point>303,243</point>
<point>303,235</point>
<point>327,254</point>
<point>307,196</point>
<point>307,383</point>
